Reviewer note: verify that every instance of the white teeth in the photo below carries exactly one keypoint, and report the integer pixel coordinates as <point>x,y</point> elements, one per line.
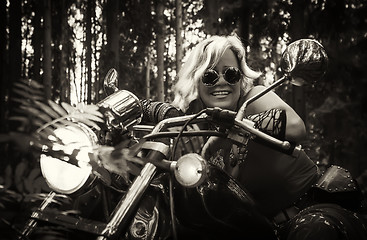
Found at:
<point>220,93</point>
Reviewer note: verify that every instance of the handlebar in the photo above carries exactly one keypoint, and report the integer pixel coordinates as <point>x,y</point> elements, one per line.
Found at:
<point>240,126</point>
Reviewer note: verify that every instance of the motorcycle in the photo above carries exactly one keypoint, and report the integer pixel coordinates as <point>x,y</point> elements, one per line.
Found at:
<point>127,180</point>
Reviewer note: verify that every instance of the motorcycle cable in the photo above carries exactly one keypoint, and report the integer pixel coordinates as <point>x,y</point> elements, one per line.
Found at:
<point>172,210</point>
<point>180,134</point>
<point>184,134</point>
<point>182,130</point>
<point>171,207</point>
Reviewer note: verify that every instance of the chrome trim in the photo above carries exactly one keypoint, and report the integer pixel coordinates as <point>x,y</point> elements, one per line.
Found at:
<point>129,202</point>
<point>147,128</point>
<point>157,146</point>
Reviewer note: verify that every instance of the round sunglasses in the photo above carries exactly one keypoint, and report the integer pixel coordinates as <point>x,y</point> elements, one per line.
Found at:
<point>232,75</point>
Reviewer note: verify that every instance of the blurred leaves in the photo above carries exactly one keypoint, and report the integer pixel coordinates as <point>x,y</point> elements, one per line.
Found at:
<point>39,118</point>
<point>7,196</point>
<point>36,119</point>
<point>36,114</point>
<point>120,159</point>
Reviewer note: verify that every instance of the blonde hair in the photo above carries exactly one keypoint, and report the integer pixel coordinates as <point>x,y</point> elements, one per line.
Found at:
<point>206,55</point>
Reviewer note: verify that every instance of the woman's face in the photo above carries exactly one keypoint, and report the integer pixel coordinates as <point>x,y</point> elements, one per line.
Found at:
<point>222,94</point>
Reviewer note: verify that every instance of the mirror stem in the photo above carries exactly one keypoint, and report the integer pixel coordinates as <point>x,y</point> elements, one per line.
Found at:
<point>242,110</point>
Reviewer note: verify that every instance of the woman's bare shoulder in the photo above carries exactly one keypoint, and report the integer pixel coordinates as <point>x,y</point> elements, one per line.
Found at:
<point>255,90</point>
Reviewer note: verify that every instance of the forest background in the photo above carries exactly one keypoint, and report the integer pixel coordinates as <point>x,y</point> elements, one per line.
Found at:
<point>69,46</point>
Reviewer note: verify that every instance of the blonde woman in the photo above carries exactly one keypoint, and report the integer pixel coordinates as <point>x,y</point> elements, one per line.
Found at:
<point>216,75</point>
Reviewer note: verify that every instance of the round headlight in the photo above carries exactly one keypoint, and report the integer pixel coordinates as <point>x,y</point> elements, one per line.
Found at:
<point>64,177</point>
<point>191,170</point>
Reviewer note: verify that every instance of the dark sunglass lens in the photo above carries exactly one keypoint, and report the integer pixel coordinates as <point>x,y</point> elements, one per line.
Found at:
<point>210,77</point>
<point>232,75</point>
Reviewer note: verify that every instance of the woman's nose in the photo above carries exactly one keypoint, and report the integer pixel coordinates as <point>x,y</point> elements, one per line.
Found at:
<point>221,79</point>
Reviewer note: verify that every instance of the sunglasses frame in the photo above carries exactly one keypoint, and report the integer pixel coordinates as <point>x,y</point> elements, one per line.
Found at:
<point>218,75</point>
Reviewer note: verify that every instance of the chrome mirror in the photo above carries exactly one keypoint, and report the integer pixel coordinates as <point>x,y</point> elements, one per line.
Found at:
<point>110,82</point>
<point>305,61</point>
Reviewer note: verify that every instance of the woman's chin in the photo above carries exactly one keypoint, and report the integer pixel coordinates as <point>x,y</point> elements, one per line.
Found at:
<point>223,104</point>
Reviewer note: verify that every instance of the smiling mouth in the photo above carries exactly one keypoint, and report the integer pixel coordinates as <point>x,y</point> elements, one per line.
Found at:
<point>220,93</point>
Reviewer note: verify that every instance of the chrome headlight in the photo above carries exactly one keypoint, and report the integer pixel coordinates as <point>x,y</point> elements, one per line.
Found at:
<point>62,176</point>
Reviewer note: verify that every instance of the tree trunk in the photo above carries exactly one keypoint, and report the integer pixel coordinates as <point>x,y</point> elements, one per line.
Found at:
<point>88,43</point>
<point>244,22</point>
<point>297,98</point>
<point>4,82</point>
<point>147,76</point>
<point>47,56</point>
<point>296,28</point>
<point>212,16</point>
<point>15,54</point>
<point>179,51</point>
<point>96,55</point>
<point>64,80</point>
<point>37,41</point>
<point>160,50</point>
<point>113,36</point>
<point>15,58</point>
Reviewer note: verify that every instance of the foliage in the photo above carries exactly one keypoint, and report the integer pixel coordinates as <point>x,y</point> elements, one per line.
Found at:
<point>34,120</point>
<point>39,119</point>
<point>336,117</point>
<point>337,105</point>
<point>46,114</point>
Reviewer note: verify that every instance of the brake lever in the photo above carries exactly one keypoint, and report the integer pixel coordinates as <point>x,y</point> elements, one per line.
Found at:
<point>222,116</point>
<point>248,127</point>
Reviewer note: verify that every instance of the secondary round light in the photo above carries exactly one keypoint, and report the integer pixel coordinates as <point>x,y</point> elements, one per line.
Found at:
<point>191,170</point>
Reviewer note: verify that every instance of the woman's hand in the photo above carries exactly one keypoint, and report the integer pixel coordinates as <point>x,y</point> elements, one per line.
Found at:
<point>222,149</point>
<point>213,145</point>
<point>188,144</point>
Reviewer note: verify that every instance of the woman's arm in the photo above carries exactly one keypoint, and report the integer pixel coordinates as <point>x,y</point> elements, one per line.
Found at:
<point>295,128</point>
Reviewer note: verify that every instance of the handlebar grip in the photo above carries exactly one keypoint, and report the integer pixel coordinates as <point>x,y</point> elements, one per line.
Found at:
<point>154,112</point>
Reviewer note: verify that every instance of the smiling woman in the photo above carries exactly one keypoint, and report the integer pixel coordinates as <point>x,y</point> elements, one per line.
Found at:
<point>222,90</point>
<point>216,75</point>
